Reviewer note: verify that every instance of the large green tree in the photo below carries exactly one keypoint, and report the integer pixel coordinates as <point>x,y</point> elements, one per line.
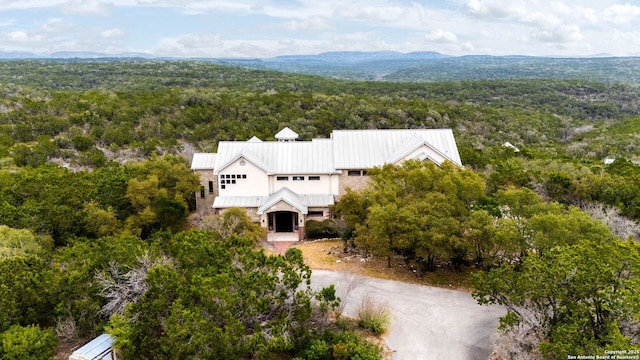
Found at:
<point>415,209</point>
<point>582,298</point>
<point>220,300</point>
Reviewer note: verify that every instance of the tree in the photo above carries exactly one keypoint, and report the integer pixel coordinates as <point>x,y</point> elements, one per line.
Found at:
<point>582,297</point>
<point>25,289</point>
<point>22,242</point>
<point>415,209</point>
<point>219,292</point>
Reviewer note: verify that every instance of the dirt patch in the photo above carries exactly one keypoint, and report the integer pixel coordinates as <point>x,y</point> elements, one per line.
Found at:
<point>329,255</point>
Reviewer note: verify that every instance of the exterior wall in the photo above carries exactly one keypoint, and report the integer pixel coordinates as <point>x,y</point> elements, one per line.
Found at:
<point>204,205</point>
<point>252,212</point>
<point>255,183</point>
<point>424,149</point>
<point>306,186</point>
<point>354,182</point>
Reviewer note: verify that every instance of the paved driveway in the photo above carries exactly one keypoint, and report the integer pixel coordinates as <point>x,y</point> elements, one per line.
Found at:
<point>427,322</point>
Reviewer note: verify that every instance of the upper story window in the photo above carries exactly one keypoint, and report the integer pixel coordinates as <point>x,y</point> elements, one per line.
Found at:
<point>282,178</point>
<point>227,179</point>
<point>314,177</point>
<point>298,178</point>
<point>354,173</point>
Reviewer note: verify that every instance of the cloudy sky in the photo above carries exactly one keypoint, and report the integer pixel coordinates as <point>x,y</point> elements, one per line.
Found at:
<point>265,28</point>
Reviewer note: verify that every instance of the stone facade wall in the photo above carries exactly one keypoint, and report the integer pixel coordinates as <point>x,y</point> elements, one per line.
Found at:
<point>354,182</point>
<point>204,205</point>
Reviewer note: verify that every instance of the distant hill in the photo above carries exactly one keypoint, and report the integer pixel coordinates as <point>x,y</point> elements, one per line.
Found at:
<point>406,67</point>
<point>433,66</point>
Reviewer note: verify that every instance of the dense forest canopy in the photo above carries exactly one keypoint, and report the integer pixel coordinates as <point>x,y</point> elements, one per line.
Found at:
<point>96,190</point>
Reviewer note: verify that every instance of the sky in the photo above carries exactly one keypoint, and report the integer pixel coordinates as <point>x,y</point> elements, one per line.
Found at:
<point>267,28</point>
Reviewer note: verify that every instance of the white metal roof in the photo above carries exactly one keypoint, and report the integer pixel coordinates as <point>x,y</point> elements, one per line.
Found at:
<point>286,195</point>
<point>223,202</point>
<point>362,149</point>
<point>346,149</point>
<point>300,157</point>
<point>203,161</point>
<point>300,201</point>
<point>286,134</point>
<point>97,348</point>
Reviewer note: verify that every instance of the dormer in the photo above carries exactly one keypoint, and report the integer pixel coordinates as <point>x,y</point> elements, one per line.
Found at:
<point>286,135</point>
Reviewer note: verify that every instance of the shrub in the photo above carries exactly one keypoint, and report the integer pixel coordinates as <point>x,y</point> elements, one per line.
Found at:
<point>315,229</point>
<point>342,346</point>
<point>374,316</point>
<point>26,343</point>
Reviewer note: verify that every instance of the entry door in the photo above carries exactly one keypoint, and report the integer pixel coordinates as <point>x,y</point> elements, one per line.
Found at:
<point>285,221</point>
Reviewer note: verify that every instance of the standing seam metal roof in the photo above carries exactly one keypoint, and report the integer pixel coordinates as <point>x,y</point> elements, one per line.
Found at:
<point>203,161</point>
<point>346,149</point>
<point>362,149</point>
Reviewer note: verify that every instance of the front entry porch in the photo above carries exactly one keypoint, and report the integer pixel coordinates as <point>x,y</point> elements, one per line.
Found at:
<point>284,226</point>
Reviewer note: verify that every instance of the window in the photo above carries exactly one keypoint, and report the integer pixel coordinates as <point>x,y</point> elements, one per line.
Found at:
<point>202,192</point>
<point>282,178</point>
<point>228,176</point>
<point>315,214</point>
<point>244,176</point>
<point>233,176</point>
<point>210,186</point>
<point>353,173</point>
<point>364,172</point>
<point>314,178</point>
<point>298,178</point>
<point>223,187</point>
<point>233,181</point>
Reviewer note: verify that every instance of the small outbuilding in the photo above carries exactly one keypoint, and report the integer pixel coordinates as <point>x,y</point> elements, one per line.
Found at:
<point>100,348</point>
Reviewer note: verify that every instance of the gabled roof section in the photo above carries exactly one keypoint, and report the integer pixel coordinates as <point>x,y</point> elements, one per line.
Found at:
<point>412,144</point>
<point>247,155</point>
<point>286,195</point>
<point>254,139</point>
<point>299,157</point>
<point>286,134</point>
<point>363,149</point>
<point>203,161</point>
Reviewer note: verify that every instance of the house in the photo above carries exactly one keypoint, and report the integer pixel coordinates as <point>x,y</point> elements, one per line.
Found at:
<point>286,182</point>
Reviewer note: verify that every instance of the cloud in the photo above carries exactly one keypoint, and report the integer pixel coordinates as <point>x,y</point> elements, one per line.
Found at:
<point>383,14</point>
<point>559,35</point>
<point>78,7</point>
<point>441,36</point>
<point>202,44</point>
<point>112,34</point>
<point>495,8</point>
<point>316,23</point>
<point>621,13</point>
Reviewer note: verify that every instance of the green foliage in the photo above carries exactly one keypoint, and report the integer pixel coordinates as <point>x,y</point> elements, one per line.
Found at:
<point>245,302</point>
<point>415,209</point>
<point>578,295</point>
<point>73,286</point>
<point>27,343</point>
<point>234,221</point>
<point>374,316</point>
<point>25,286</point>
<point>343,346</point>
<point>21,242</point>
<point>315,229</point>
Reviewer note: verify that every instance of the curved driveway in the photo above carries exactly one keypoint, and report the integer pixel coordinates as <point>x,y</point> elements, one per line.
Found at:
<point>427,322</point>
